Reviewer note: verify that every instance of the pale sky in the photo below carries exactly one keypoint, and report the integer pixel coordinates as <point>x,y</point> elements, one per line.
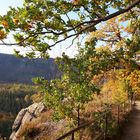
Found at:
<point>6,3</point>
<point>57,51</point>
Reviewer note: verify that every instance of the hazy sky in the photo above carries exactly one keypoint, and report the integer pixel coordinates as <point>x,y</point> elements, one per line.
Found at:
<point>6,3</point>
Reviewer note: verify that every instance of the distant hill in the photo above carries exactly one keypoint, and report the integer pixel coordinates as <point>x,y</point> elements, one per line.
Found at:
<point>17,70</point>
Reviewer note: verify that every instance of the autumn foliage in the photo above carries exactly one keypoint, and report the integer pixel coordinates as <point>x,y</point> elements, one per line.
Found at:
<point>104,72</point>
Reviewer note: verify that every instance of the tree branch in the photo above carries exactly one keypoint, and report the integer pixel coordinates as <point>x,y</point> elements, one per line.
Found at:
<point>86,25</point>
<point>95,22</point>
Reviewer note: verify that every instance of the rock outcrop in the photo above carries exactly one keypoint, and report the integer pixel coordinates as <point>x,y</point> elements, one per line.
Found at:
<point>35,123</point>
<point>26,116</point>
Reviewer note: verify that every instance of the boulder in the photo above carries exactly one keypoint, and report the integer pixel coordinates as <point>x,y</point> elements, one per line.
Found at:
<point>25,116</point>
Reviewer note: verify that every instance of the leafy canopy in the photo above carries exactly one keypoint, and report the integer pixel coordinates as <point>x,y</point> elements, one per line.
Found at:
<point>42,24</point>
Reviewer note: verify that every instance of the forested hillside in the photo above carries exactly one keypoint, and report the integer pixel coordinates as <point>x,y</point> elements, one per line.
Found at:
<point>13,97</point>
<point>17,70</point>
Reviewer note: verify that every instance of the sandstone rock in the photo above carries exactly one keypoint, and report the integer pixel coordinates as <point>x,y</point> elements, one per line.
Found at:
<point>18,120</point>
<point>25,116</point>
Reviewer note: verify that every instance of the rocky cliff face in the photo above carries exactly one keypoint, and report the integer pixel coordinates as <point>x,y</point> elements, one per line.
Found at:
<point>22,70</point>
<point>25,116</point>
<point>33,123</point>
